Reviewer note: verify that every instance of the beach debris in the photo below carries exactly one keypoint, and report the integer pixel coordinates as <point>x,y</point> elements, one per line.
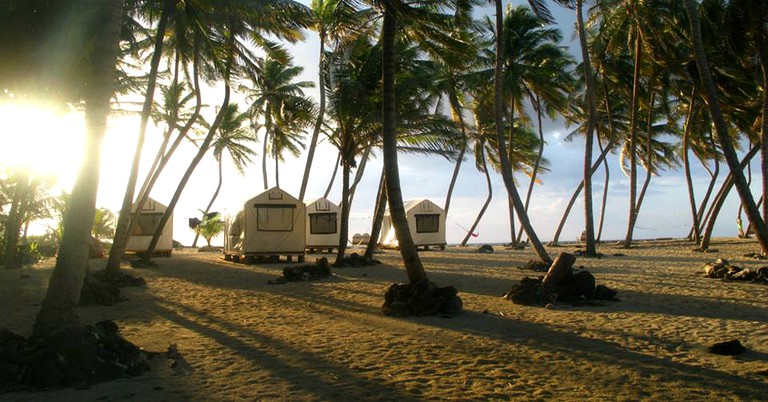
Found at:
<point>756,256</point>
<point>562,284</point>
<point>485,249</point>
<point>102,288</point>
<point>320,269</point>
<point>75,355</point>
<point>357,261</point>
<point>721,269</point>
<point>422,298</point>
<point>727,348</point>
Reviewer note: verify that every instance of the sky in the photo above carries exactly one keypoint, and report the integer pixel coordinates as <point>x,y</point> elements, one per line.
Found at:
<point>56,144</point>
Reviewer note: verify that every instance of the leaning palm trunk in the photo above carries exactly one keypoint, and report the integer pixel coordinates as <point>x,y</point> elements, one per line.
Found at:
<point>536,165</point>
<point>456,112</point>
<point>264,153</point>
<point>378,217</point>
<point>333,176</point>
<point>59,307</point>
<point>687,166</point>
<point>123,221</point>
<point>320,115</point>
<point>487,200</point>
<point>713,102</point>
<point>183,183</point>
<point>719,200</point>
<point>506,171</point>
<point>120,242</point>
<point>413,265</point>
<point>576,193</point>
<point>359,174</point>
<point>648,164</point>
<point>763,46</point>
<point>713,175</point>
<point>604,202</point>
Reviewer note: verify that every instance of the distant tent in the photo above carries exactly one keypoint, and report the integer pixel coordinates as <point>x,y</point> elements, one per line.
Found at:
<point>426,221</point>
<point>270,224</point>
<point>322,227</point>
<point>147,222</point>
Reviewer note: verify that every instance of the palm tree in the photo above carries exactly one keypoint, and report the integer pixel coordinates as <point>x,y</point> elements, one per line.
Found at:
<point>211,226</point>
<point>59,308</point>
<point>713,102</point>
<point>232,136</point>
<point>103,224</point>
<point>280,101</point>
<point>335,21</point>
<point>226,30</point>
<point>504,161</point>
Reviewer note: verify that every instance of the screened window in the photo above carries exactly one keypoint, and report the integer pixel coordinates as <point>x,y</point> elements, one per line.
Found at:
<point>274,218</point>
<point>322,223</point>
<point>147,224</point>
<point>427,223</point>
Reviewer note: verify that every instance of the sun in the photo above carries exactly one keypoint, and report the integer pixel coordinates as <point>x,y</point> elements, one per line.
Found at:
<point>41,141</point>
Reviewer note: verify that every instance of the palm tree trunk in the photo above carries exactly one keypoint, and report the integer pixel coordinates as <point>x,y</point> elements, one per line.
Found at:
<point>590,249</point>
<point>604,202</point>
<point>713,102</point>
<point>633,143</point>
<point>378,217</point>
<point>763,46</point>
<point>505,164</point>
<point>267,128</point>
<point>59,308</point>
<point>487,200</point>
<point>413,265</point>
<point>648,161</point>
<point>320,114</point>
<point>210,203</point>
<point>184,179</point>
<point>455,109</point>
<point>687,166</point>
<point>123,220</point>
<point>576,193</point>
<point>359,173</point>
<point>713,175</point>
<point>722,195</point>
<point>333,176</point>
<point>277,167</point>
<point>344,224</point>
<point>536,165</point>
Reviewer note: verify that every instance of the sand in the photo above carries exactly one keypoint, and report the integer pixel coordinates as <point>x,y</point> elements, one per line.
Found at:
<point>245,340</point>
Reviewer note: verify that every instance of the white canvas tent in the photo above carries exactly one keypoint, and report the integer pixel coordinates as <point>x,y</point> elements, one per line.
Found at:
<point>426,221</point>
<point>322,227</point>
<point>148,220</point>
<point>270,224</point>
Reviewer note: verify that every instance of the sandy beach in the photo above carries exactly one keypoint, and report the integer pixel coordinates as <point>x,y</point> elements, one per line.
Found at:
<point>242,339</point>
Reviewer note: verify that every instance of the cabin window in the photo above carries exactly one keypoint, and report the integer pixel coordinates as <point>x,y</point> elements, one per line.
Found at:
<point>274,218</point>
<point>322,223</point>
<point>427,223</point>
<point>147,224</point>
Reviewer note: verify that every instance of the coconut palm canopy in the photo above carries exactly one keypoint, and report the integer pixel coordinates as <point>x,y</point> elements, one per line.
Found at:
<point>666,73</point>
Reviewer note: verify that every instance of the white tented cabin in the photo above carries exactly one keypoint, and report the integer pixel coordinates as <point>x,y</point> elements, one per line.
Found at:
<point>268,225</point>
<point>322,230</point>
<point>147,222</point>
<point>426,221</point>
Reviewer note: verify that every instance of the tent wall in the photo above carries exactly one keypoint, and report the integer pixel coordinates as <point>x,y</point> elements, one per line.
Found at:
<point>426,222</point>
<point>322,225</point>
<point>272,223</point>
<point>144,230</point>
